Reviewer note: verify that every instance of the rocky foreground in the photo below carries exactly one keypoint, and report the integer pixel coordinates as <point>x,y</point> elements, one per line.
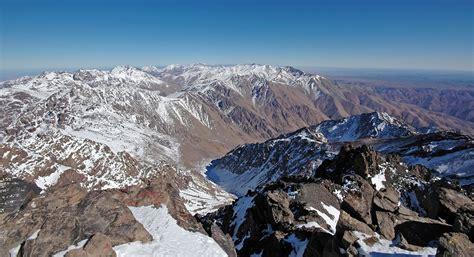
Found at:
<point>360,203</point>
<point>68,220</point>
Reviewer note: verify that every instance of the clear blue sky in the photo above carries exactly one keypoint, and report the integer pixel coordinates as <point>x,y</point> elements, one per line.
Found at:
<point>375,34</point>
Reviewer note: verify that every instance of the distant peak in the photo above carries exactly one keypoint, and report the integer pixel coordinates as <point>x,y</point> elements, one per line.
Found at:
<point>381,116</point>
<point>122,68</point>
<point>293,70</point>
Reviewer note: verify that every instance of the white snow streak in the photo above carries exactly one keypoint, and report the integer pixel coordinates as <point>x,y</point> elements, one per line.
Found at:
<point>169,239</point>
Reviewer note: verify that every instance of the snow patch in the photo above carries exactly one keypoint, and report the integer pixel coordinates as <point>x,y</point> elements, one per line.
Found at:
<point>34,235</point>
<point>331,222</point>
<point>51,179</point>
<point>203,196</point>
<point>240,210</point>
<point>169,239</point>
<point>378,180</point>
<point>386,247</point>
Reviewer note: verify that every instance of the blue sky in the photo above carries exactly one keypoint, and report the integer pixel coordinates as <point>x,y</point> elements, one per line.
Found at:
<point>354,34</point>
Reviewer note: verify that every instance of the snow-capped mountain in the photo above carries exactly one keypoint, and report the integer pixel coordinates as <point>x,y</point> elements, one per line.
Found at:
<point>368,125</point>
<point>134,142</point>
<point>302,152</point>
<point>200,77</point>
<point>97,121</point>
<point>166,116</point>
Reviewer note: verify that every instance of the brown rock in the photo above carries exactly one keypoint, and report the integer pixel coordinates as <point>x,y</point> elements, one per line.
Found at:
<point>385,224</point>
<point>224,240</point>
<point>455,245</point>
<point>99,212</point>
<point>99,245</point>
<point>464,221</point>
<point>420,231</point>
<point>352,251</point>
<point>348,239</point>
<point>15,193</point>
<point>443,202</point>
<point>277,208</point>
<point>321,244</point>
<point>370,241</point>
<point>68,215</point>
<point>77,253</point>
<point>387,200</point>
<point>391,194</point>
<point>407,246</point>
<point>313,194</point>
<point>358,203</point>
<point>404,211</point>
<point>348,223</point>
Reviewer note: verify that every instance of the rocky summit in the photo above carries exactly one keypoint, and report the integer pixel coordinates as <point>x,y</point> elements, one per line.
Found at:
<point>361,202</point>
<point>231,160</point>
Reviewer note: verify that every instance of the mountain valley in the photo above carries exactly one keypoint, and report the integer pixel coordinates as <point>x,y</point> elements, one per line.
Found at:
<point>225,156</point>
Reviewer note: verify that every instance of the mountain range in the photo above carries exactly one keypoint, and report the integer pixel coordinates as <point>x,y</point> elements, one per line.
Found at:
<point>181,140</point>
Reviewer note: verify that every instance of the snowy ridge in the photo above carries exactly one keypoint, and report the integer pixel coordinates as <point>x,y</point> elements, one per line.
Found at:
<point>301,153</point>
<point>449,154</point>
<point>107,107</point>
<point>249,166</point>
<point>368,125</point>
<point>45,160</point>
<point>201,77</point>
<point>146,103</point>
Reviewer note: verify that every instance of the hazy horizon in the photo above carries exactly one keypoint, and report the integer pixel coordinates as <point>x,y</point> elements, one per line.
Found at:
<point>367,34</point>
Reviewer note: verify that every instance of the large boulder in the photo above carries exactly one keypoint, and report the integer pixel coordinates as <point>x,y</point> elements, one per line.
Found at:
<point>68,215</point>
<point>313,194</point>
<point>276,207</point>
<point>455,245</point>
<point>443,202</point>
<point>464,220</point>
<point>15,193</point>
<point>363,161</point>
<point>65,215</point>
<point>387,199</point>
<point>421,231</point>
<point>348,223</point>
<point>98,245</point>
<point>321,245</point>
<point>358,200</point>
<point>386,224</point>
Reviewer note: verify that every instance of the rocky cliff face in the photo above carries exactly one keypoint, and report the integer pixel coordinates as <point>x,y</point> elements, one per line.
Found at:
<point>359,203</point>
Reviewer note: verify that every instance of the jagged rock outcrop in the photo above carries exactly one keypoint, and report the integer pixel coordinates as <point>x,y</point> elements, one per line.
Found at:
<point>357,202</point>
<point>99,245</point>
<point>66,215</point>
<point>455,244</point>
